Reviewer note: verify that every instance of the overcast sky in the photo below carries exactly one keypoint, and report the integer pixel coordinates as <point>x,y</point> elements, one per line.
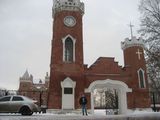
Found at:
<point>26,30</point>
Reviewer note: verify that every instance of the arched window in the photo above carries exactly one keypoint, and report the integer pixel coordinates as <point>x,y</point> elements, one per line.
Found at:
<point>68,50</point>
<point>141,78</point>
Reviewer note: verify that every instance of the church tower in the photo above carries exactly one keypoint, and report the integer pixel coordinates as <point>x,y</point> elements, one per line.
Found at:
<point>135,65</point>
<point>26,82</point>
<point>66,68</point>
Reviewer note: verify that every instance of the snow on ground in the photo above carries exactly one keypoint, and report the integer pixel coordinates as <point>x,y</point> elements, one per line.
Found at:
<point>99,115</point>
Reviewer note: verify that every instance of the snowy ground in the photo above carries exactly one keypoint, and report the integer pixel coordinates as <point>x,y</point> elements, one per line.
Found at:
<point>97,116</point>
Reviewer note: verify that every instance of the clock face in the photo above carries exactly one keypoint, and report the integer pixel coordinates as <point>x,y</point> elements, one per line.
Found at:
<point>69,21</point>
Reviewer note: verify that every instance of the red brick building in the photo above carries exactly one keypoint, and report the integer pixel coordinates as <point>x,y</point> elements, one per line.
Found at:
<point>69,77</point>
<point>37,91</point>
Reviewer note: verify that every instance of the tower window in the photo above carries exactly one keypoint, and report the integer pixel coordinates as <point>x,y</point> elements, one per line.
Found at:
<point>141,78</point>
<point>68,50</point>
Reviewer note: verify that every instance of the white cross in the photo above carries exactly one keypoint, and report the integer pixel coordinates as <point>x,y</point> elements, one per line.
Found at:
<point>139,54</point>
<point>131,26</point>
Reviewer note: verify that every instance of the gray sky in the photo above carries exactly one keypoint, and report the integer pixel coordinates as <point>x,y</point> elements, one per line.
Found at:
<point>26,30</point>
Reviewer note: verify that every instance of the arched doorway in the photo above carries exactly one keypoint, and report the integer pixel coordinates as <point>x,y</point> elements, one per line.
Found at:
<point>119,86</point>
<point>106,100</point>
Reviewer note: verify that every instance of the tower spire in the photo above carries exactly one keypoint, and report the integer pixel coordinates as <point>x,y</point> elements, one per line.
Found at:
<point>131,26</point>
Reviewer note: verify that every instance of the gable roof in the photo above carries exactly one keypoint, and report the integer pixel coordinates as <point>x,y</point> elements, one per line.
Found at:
<point>105,65</point>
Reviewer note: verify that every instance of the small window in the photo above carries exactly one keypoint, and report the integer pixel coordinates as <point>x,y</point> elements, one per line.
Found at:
<point>15,98</point>
<point>5,99</point>
<point>141,78</point>
<point>69,50</point>
<point>68,91</point>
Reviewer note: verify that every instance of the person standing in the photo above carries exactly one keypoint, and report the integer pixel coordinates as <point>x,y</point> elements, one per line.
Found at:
<point>83,103</point>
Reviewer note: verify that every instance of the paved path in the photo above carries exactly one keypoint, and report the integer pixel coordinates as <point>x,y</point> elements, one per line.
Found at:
<point>153,116</point>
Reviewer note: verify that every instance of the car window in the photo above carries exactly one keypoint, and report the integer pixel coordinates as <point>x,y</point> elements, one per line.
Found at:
<point>5,99</point>
<point>16,98</point>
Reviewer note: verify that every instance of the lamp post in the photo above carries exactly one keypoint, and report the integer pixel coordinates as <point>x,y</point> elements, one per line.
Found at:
<point>43,104</point>
<point>40,98</point>
<point>154,102</point>
<point>39,91</point>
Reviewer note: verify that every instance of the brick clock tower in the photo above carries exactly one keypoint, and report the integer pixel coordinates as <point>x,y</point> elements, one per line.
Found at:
<point>69,77</point>
<point>66,68</point>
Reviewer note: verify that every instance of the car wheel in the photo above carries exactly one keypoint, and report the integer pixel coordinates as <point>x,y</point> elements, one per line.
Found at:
<point>26,111</point>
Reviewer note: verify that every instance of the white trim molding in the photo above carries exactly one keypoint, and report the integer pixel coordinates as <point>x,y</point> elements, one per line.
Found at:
<point>132,42</point>
<point>68,82</point>
<point>120,86</point>
<point>68,100</point>
<point>67,5</point>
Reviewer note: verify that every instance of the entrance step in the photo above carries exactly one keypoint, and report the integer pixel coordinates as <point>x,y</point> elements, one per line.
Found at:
<point>65,111</point>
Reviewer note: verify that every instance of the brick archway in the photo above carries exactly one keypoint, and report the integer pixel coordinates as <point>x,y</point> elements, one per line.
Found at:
<point>120,86</point>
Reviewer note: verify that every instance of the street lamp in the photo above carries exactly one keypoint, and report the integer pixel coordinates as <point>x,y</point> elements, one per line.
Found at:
<point>154,102</point>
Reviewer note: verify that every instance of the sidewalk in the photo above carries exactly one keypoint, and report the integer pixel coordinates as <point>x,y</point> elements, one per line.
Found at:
<point>144,116</point>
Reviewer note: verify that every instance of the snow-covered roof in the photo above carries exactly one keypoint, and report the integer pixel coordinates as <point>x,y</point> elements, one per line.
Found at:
<point>132,42</point>
<point>69,5</point>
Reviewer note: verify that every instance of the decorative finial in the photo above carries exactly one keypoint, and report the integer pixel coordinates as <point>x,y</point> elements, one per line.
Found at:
<point>131,26</point>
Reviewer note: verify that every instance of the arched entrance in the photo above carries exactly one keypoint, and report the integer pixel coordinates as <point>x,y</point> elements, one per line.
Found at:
<point>119,86</point>
<point>106,99</point>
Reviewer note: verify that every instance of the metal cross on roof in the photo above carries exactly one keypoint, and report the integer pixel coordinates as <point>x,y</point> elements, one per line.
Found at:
<point>131,26</point>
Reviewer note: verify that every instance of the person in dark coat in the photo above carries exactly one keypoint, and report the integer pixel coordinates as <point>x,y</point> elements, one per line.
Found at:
<point>83,103</point>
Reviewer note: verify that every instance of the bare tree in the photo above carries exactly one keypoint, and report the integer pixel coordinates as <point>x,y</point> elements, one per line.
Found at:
<point>150,30</point>
<point>111,99</point>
